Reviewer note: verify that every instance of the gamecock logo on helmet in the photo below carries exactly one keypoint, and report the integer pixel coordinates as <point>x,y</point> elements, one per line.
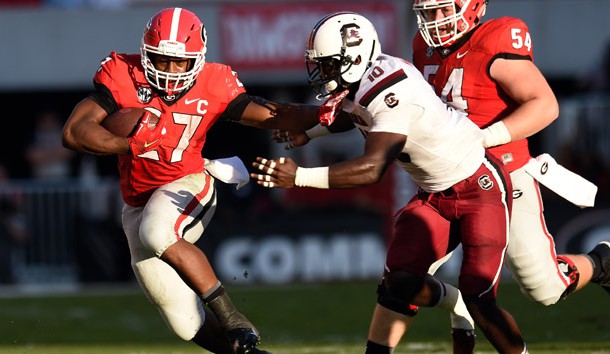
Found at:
<point>352,35</point>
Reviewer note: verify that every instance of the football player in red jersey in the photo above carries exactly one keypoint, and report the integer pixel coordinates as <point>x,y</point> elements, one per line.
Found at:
<point>169,196</point>
<point>463,195</point>
<point>486,69</point>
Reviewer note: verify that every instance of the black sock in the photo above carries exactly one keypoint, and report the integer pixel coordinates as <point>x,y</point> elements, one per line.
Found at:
<point>210,295</point>
<point>374,348</point>
<point>228,316</point>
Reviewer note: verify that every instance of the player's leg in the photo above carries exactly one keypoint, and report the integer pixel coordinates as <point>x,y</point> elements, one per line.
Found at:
<point>462,325</point>
<point>541,274</point>
<point>601,258</point>
<point>393,312</point>
<point>180,307</point>
<point>392,317</point>
<point>498,325</point>
<point>483,208</point>
<point>391,320</point>
<point>172,221</point>
<point>387,327</point>
<point>386,330</point>
<point>211,336</point>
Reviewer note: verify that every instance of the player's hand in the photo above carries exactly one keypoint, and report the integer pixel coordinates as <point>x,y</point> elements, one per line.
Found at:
<point>276,173</point>
<point>146,137</point>
<point>293,138</point>
<point>329,109</point>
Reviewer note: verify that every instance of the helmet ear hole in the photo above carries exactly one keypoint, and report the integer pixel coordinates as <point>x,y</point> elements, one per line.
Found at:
<point>346,60</point>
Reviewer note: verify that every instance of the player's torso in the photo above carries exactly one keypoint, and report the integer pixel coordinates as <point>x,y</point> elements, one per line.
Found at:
<point>187,118</point>
<point>442,147</point>
<point>460,76</point>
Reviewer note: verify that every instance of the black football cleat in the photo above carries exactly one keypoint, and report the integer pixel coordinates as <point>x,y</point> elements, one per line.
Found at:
<point>602,252</point>
<point>463,341</point>
<point>244,341</point>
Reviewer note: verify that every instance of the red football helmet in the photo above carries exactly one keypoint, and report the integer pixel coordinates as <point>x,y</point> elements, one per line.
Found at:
<point>173,32</point>
<point>460,16</point>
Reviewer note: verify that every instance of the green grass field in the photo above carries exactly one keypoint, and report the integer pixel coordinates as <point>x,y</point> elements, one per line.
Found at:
<point>293,319</point>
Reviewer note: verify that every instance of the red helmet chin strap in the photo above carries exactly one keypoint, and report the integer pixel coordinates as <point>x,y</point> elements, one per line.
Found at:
<point>330,108</point>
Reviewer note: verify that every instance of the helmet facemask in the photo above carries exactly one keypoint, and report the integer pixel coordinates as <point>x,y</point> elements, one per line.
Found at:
<point>174,33</point>
<point>465,15</point>
<point>169,82</point>
<point>325,73</point>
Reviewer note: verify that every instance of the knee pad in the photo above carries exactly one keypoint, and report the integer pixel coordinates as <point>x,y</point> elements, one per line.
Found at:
<point>403,285</point>
<point>386,300</point>
<point>155,237</point>
<point>395,291</point>
<point>568,268</point>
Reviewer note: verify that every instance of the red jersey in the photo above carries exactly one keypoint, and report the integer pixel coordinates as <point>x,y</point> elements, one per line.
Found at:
<point>460,76</point>
<point>187,121</point>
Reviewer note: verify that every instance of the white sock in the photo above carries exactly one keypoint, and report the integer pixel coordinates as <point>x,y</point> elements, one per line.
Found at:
<point>451,299</point>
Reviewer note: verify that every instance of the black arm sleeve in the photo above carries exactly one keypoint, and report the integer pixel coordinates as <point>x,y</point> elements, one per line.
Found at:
<point>236,108</point>
<point>103,97</point>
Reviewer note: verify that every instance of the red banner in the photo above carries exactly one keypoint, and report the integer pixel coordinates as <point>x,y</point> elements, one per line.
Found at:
<point>272,36</point>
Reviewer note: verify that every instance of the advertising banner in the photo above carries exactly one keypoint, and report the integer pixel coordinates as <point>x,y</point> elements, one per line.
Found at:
<point>271,36</point>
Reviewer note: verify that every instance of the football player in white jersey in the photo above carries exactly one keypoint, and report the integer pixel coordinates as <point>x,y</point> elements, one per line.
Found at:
<point>464,193</point>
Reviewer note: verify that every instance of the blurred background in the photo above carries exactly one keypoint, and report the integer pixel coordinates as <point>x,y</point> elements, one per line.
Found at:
<point>60,211</point>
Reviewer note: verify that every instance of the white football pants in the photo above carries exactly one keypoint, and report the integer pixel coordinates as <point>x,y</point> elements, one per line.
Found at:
<point>151,229</point>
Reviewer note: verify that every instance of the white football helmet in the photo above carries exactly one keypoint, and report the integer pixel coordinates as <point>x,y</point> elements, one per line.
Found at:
<point>340,48</point>
<point>173,32</point>
<point>462,16</point>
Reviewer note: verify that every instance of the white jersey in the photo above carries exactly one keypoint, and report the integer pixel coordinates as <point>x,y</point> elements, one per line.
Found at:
<point>443,146</point>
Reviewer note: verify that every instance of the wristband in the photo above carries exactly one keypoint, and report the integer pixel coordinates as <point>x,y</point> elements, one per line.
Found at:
<point>312,177</point>
<point>317,131</point>
<point>496,134</point>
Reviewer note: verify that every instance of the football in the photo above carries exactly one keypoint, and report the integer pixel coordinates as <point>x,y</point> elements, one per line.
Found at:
<point>124,121</point>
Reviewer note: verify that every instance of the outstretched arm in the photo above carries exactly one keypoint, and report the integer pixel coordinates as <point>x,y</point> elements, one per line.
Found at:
<point>381,149</point>
<point>296,138</point>
<point>262,113</point>
<point>284,116</point>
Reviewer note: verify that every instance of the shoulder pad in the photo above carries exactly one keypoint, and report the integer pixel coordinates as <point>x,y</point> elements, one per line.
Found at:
<point>221,81</point>
<point>505,35</point>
